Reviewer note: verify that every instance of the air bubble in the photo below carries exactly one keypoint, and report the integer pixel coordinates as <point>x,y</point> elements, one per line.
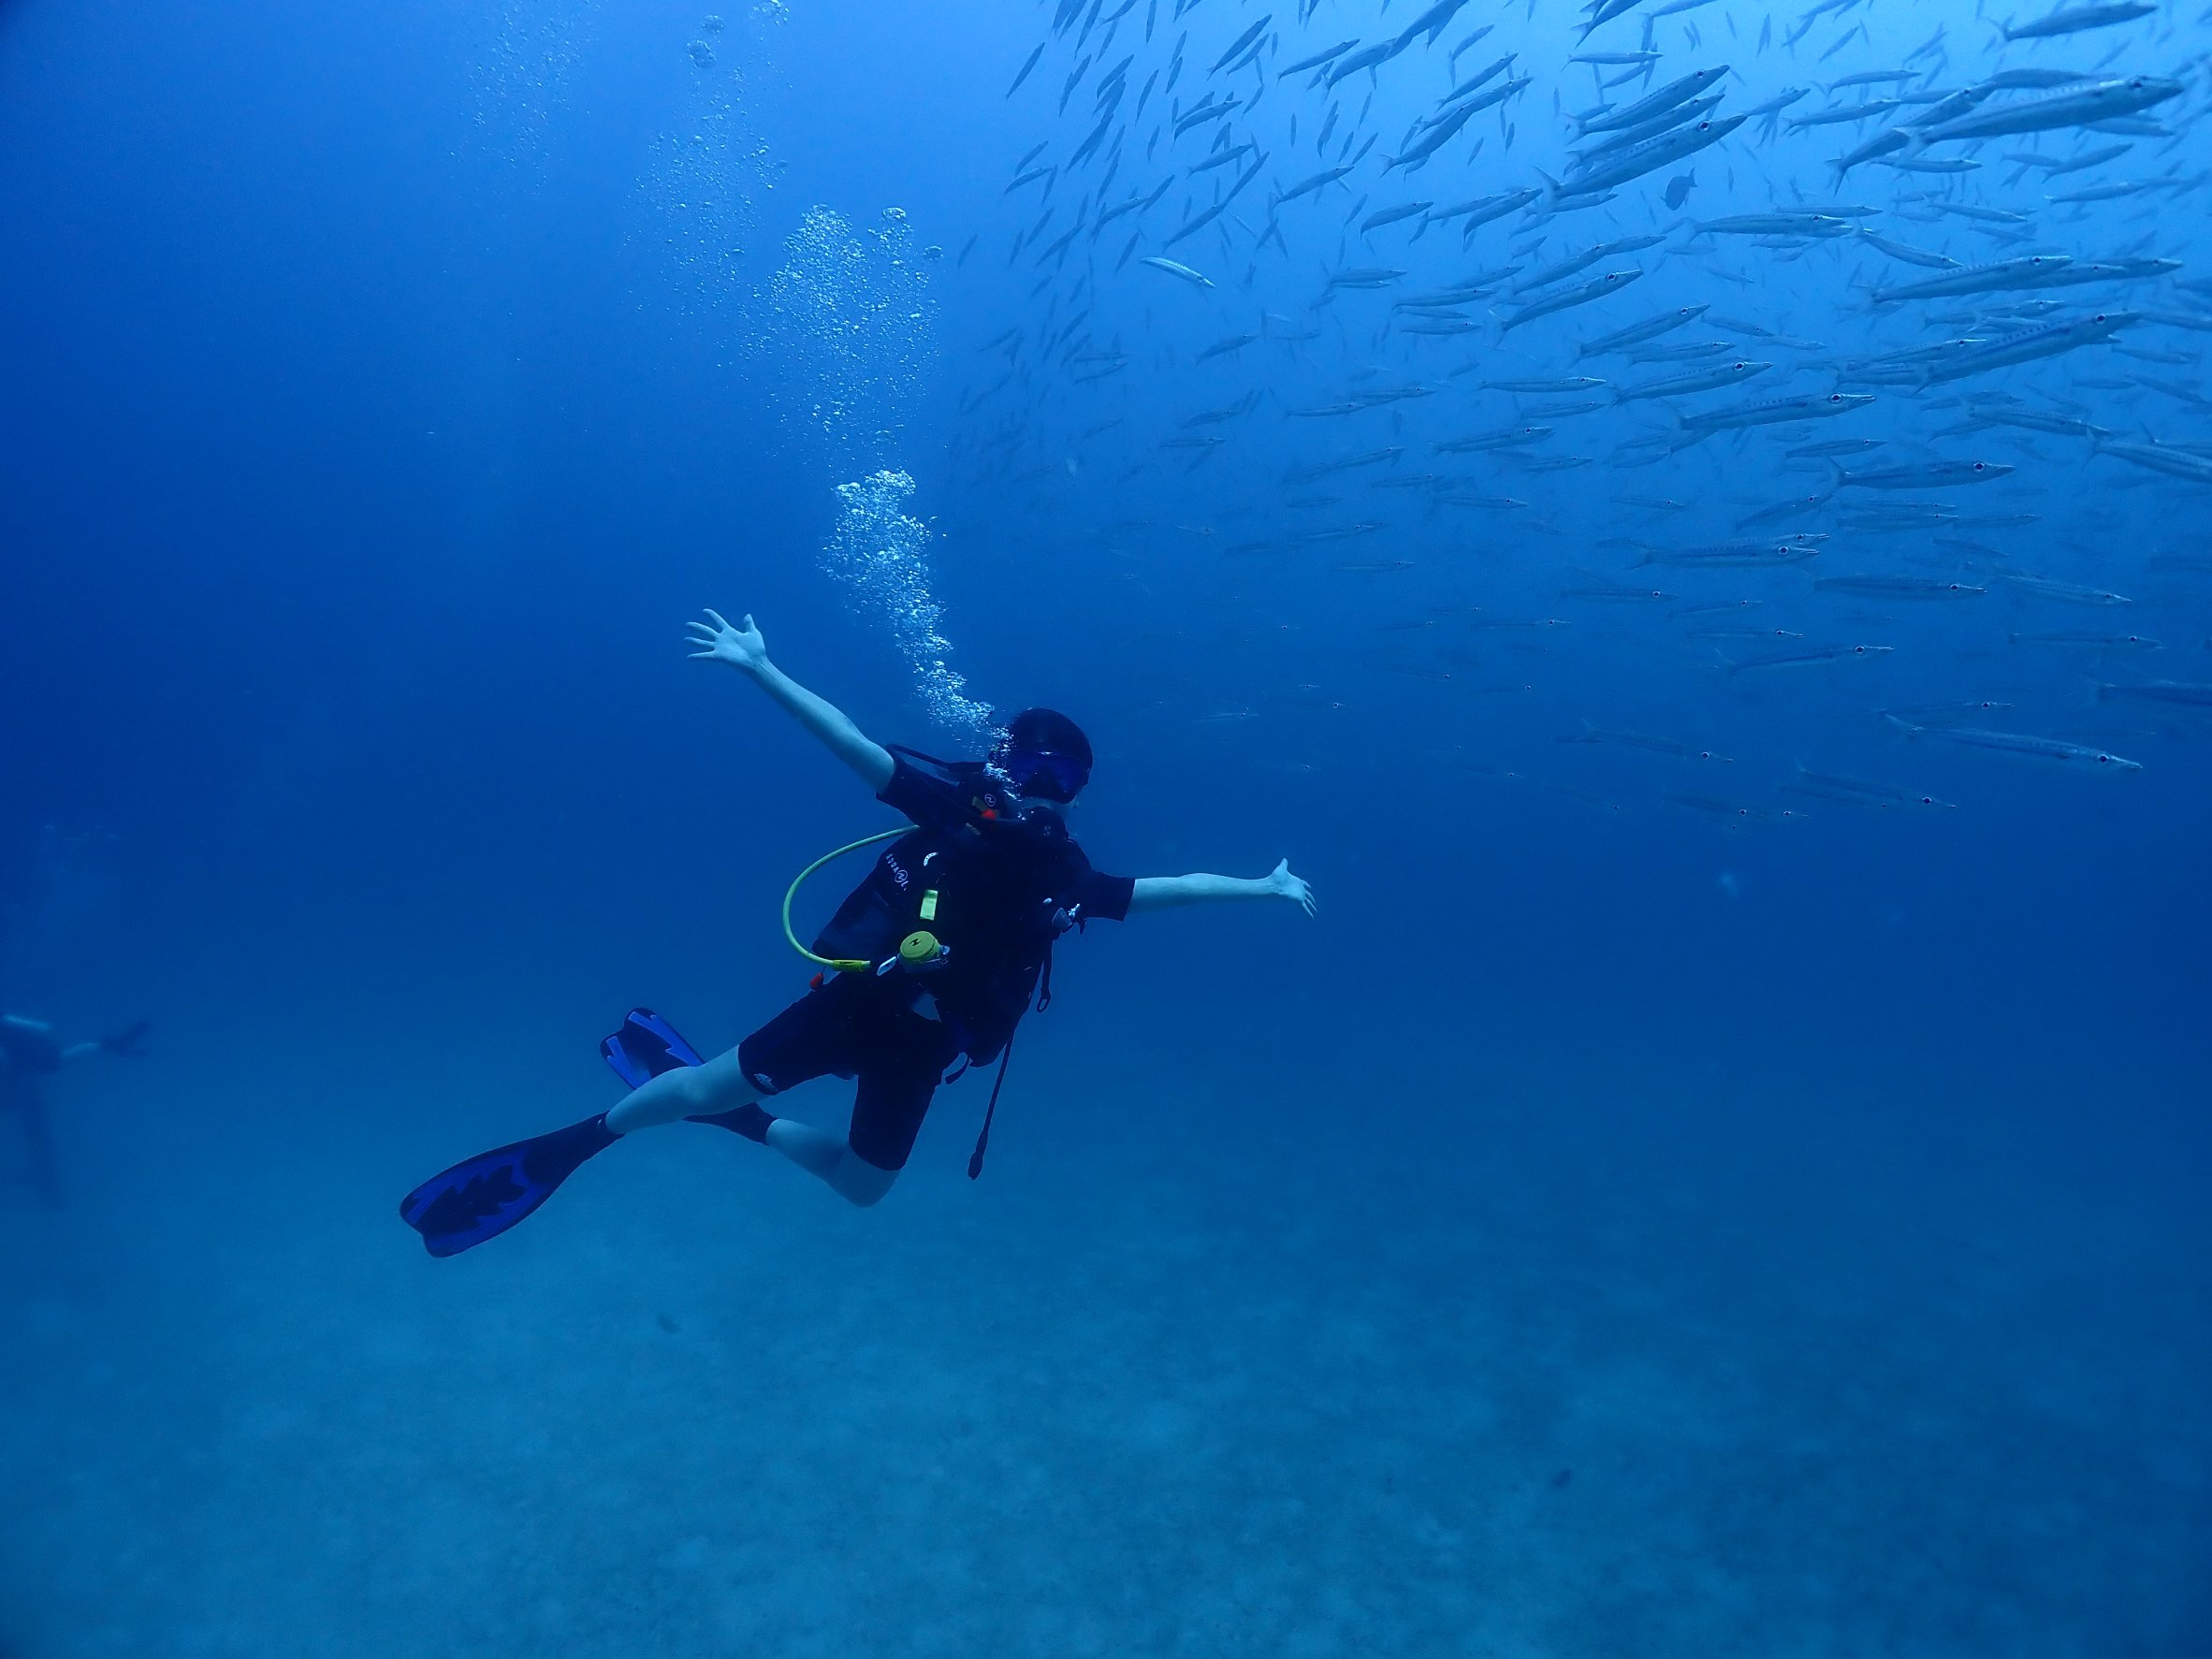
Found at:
<point>881,552</point>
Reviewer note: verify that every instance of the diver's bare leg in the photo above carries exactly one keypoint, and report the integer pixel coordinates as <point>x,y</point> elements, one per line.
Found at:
<point>718,1085</point>
<point>829,1159</point>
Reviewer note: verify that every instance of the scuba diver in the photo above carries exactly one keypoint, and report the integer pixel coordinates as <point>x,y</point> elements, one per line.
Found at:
<point>928,964</point>
<point>29,1055</point>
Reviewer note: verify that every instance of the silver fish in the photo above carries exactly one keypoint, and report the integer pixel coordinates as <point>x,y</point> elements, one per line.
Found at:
<point>2065,592</point>
<point>1699,380</point>
<point>2072,20</point>
<point>1922,475</point>
<point>1643,158</point>
<point>1638,334</point>
<point>1579,262</point>
<point>1820,224</point>
<point>1376,221</point>
<point>1571,382</point>
<point>1675,92</point>
<point>2161,458</point>
<point>1318,58</point>
<point>1845,788</point>
<point>2030,270</point>
<point>2179,693</point>
<point>2019,743</point>
<point>2087,642</point>
<point>2029,345</point>
<point>1772,411</point>
<point>1748,554</point>
<point>1597,288</point>
<point>1307,186</point>
<point>1667,745</point>
<point>1628,137</point>
<point>1865,111</point>
<point>1177,269</point>
<point>1808,657</point>
<point>2101,100</point>
<point>1898,587</point>
<point>1910,255</point>
<point>1505,438</point>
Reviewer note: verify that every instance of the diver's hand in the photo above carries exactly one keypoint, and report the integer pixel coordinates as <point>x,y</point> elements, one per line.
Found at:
<point>1281,882</point>
<point>129,1044</point>
<point>740,647</point>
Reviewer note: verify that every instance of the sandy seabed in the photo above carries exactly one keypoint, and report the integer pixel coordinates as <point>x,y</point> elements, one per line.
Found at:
<point>1502,1376</point>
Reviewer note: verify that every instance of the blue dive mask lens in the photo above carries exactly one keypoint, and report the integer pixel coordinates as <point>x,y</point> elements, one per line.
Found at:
<point>1041,772</point>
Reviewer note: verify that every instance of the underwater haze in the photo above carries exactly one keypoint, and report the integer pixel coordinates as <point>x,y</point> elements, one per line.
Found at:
<point>1688,521</point>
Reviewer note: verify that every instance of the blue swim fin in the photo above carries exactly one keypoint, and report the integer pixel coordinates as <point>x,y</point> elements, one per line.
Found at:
<point>645,1046</point>
<point>482,1198</point>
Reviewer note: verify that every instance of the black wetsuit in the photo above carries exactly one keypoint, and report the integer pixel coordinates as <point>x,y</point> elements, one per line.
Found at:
<point>28,1057</point>
<point>1007,887</point>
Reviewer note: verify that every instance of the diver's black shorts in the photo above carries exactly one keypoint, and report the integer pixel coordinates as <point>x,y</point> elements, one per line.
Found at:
<point>852,1027</point>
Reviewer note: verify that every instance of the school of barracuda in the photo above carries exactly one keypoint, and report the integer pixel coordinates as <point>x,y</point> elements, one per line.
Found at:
<point>1921,389</point>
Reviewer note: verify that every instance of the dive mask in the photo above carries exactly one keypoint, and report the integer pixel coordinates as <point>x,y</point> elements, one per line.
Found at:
<point>1041,772</point>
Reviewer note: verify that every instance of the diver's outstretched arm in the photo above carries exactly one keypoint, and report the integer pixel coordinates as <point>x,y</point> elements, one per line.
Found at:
<point>1155,892</point>
<point>744,649</point>
<point>129,1044</point>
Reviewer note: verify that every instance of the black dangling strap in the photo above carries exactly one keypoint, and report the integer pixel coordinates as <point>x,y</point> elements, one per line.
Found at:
<point>983,1140</point>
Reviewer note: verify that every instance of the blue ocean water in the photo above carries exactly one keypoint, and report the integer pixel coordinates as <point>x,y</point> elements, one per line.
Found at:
<point>1722,1173</point>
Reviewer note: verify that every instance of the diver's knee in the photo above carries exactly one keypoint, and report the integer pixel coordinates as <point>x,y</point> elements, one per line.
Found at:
<point>861,1184</point>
